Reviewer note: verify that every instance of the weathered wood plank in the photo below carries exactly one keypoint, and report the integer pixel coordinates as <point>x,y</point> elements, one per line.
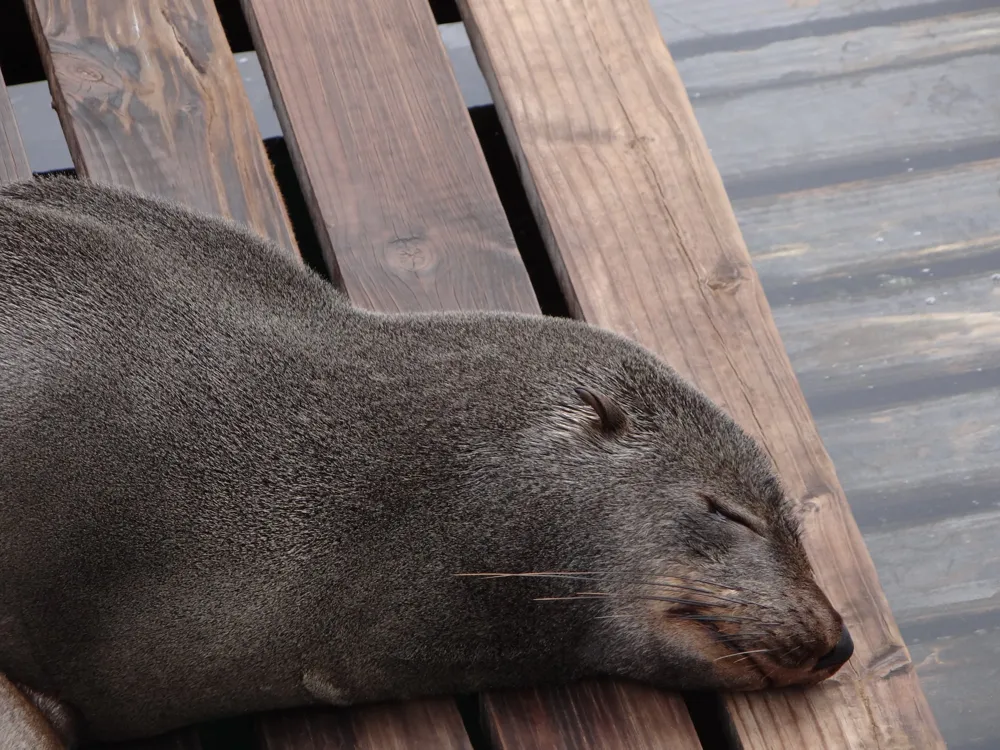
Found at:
<point>637,221</point>
<point>916,220</point>
<point>883,290</point>
<point>13,160</point>
<point>415,724</point>
<point>948,565</point>
<point>851,53</point>
<point>903,458</point>
<point>959,674</point>
<point>398,186</point>
<point>694,27</point>
<point>388,160</point>
<point>149,97</point>
<point>894,113</point>
<point>943,579</point>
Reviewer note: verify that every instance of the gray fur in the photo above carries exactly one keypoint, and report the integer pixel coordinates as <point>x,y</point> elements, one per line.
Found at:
<point>224,489</point>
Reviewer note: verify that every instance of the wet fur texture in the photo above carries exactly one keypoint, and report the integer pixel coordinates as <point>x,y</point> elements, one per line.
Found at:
<point>225,489</point>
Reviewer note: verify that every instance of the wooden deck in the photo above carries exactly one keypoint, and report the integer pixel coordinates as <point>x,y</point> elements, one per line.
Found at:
<point>859,142</point>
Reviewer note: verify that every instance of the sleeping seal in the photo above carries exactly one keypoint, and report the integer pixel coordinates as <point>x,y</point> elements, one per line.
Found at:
<point>225,489</point>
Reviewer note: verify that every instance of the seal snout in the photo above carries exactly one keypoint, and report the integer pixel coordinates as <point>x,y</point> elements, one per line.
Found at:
<point>836,657</point>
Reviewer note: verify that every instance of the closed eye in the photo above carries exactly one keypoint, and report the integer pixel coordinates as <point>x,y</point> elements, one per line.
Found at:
<point>717,509</point>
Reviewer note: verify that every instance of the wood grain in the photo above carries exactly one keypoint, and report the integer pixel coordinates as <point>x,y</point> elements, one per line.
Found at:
<point>389,163</point>
<point>13,161</point>
<point>406,209</point>
<point>638,224</point>
<point>399,726</point>
<point>149,96</point>
<point>588,716</point>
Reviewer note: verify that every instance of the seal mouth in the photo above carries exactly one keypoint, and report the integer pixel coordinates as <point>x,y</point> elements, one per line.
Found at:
<point>756,665</point>
<point>772,673</point>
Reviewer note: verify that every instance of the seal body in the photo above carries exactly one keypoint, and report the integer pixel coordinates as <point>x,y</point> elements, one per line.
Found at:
<point>225,489</point>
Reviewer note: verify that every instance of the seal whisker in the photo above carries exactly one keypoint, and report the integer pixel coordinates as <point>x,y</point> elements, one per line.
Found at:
<point>594,575</point>
<point>744,653</point>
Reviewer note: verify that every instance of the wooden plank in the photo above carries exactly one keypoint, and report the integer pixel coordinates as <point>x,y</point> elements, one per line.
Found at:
<point>899,459</point>
<point>387,157</point>
<point>645,241</point>
<point>893,113</point>
<point>696,27</point>
<point>883,290</point>
<point>854,53</point>
<point>950,565</point>
<point>587,716</point>
<point>13,160</point>
<point>149,97</point>
<point>402,726</point>
<point>402,197</point>
<point>888,226</point>
<point>959,675</point>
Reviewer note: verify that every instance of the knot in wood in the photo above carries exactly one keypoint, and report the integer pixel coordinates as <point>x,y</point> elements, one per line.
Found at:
<point>410,254</point>
<point>726,276</point>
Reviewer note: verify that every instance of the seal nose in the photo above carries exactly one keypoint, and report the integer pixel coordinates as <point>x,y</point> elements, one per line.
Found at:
<point>839,654</point>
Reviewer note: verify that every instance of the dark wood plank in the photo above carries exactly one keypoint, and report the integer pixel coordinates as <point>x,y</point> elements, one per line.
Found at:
<point>13,160</point>
<point>639,225</point>
<point>404,202</point>
<point>149,96</point>
<point>387,157</point>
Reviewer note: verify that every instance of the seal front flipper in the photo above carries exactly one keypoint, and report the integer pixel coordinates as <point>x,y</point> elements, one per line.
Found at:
<point>33,722</point>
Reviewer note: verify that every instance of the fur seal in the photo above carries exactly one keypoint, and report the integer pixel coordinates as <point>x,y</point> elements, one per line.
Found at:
<point>225,489</point>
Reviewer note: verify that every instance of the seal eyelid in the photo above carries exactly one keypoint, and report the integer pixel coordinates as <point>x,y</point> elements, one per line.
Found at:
<point>715,507</point>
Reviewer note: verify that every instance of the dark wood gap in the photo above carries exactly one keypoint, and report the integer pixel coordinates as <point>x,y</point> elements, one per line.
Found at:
<point>514,199</point>
<point>470,707</point>
<point>712,721</point>
<point>445,11</point>
<point>236,733</point>
<point>19,58</point>
<point>234,23</point>
<point>295,203</point>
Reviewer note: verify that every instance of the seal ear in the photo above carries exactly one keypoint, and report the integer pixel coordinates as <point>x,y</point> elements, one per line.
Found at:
<point>611,415</point>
